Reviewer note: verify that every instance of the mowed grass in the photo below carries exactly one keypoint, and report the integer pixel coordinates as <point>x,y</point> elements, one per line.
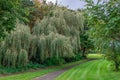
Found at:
<point>31,75</point>
<point>95,56</point>
<point>93,70</point>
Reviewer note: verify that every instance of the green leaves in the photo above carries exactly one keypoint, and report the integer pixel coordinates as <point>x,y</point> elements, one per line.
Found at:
<point>104,23</point>
<point>10,11</point>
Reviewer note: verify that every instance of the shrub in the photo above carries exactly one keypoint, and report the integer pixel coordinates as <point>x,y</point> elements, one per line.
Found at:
<point>54,61</point>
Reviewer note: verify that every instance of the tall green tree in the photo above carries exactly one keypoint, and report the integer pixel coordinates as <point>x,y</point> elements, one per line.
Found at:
<point>104,22</point>
<point>86,44</point>
<point>10,10</point>
<point>37,11</point>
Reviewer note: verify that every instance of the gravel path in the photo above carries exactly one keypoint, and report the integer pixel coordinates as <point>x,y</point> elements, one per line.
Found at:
<point>53,75</point>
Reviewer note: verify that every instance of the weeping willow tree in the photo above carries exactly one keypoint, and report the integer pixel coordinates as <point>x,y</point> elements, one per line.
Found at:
<point>14,49</point>
<point>56,36</point>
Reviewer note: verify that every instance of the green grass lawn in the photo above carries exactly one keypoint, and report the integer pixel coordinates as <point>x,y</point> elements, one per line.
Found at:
<point>93,70</point>
<point>95,56</point>
<point>31,75</point>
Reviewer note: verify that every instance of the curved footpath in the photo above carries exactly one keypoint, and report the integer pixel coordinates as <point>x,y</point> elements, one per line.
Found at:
<point>53,75</point>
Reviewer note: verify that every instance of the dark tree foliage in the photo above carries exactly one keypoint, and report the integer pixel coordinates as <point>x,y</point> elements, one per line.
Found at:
<point>86,45</point>
<point>10,10</point>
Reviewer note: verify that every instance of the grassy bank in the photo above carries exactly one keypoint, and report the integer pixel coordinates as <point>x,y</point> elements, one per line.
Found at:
<point>93,70</point>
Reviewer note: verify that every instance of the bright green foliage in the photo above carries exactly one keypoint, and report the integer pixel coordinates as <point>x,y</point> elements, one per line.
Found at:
<point>95,56</point>
<point>104,22</point>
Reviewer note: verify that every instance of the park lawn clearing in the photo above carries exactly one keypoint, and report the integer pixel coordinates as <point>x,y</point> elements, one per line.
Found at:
<point>93,70</point>
<point>31,75</point>
<point>98,56</point>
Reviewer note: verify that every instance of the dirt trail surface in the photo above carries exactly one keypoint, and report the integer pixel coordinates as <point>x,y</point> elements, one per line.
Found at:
<point>53,75</point>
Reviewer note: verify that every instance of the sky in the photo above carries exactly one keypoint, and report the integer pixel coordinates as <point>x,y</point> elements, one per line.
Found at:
<point>72,4</point>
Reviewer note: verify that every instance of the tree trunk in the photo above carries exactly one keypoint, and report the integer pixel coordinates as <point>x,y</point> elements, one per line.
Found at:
<point>84,54</point>
<point>116,63</point>
<point>116,66</point>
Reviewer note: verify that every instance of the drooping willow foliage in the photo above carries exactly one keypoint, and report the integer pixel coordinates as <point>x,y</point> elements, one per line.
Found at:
<point>14,49</point>
<point>66,26</point>
<point>57,35</point>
